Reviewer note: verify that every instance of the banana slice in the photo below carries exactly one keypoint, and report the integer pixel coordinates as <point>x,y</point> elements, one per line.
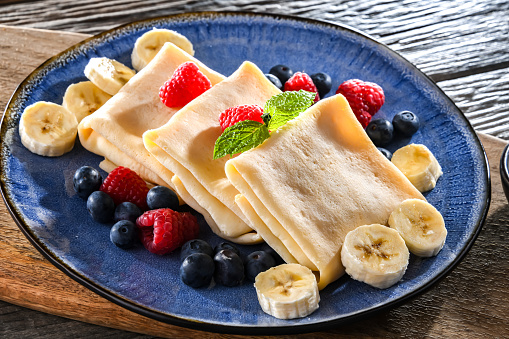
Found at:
<point>147,45</point>
<point>48,129</point>
<point>84,98</point>
<point>107,74</point>
<point>419,165</point>
<point>375,254</point>
<point>287,291</point>
<point>421,225</point>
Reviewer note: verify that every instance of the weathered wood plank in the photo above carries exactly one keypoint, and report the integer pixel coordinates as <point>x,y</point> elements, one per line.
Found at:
<point>20,322</point>
<point>22,50</point>
<point>441,37</point>
<point>484,100</point>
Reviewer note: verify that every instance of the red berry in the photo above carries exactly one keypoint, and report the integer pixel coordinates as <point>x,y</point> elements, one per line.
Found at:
<point>164,230</point>
<point>186,83</point>
<point>235,114</point>
<point>365,98</point>
<point>123,184</point>
<point>301,81</point>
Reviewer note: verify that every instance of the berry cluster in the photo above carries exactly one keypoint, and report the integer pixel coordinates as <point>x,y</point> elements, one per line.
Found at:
<point>382,131</point>
<point>200,263</point>
<point>285,79</point>
<point>365,98</point>
<point>122,197</point>
<point>149,216</point>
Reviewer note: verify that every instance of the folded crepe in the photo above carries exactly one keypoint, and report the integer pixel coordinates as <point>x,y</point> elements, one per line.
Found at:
<point>185,146</point>
<point>314,180</point>
<point>115,130</point>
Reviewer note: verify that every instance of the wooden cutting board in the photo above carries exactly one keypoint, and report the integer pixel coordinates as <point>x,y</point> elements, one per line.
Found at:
<point>470,302</point>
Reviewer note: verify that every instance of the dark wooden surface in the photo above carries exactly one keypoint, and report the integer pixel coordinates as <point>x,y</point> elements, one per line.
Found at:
<point>462,45</point>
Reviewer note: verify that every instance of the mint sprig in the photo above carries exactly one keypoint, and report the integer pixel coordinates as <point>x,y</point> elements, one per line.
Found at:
<point>248,134</point>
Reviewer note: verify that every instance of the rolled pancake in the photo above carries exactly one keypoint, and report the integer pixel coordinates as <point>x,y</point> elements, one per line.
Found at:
<point>185,146</point>
<point>115,130</point>
<point>314,180</point>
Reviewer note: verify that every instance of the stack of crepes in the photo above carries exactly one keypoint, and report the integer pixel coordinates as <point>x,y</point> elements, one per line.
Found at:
<point>302,190</point>
<point>314,180</point>
<point>180,143</point>
<point>115,130</point>
<point>185,146</point>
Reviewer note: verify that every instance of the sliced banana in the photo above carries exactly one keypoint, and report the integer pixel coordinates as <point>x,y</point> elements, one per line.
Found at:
<point>419,165</point>
<point>287,291</point>
<point>375,254</point>
<point>84,98</point>
<point>421,225</point>
<point>48,129</point>
<point>107,74</point>
<point>147,45</point>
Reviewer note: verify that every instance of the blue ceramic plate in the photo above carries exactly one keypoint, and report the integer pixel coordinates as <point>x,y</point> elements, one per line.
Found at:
<point>38,190</point>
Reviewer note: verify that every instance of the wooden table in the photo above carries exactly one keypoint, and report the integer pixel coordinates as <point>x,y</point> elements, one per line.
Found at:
<point>462,45</point>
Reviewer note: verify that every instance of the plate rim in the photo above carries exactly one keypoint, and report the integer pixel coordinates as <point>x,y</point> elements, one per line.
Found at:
<point>239,328</point>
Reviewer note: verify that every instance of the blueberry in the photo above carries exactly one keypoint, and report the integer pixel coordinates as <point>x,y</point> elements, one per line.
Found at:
<point>226,246</point>
<point>406,123</point>
<point>257,262</point>
<point>380,131</point>
<point>162,197</point>
<point>86,180</point>
<point>196,246</point>
<point>100,206</point>
<point>275,80</point>
<point>127,211</point>
<point>385,152</point>
<point>124,234</point>
<point>274,254</point>
<point>323,83</point>
<point>282,72</point>
<point>197,270</point>
<point>229,269</point>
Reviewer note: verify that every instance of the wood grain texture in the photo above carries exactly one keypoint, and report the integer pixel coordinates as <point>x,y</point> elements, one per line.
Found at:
<point>437,36</point>
<point>470,302</point>
<point>484,100</point>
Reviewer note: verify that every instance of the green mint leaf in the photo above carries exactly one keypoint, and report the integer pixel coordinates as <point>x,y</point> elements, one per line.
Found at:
<point>240,137</point>
<point>285,106</point>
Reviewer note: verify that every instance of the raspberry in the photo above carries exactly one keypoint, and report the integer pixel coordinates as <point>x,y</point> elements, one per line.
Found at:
<point>164,230</point>
<point>301,81</point>
<point>186,83</point>
<point>365,98</point>
<point>123,184</point>
<point>235,114</point>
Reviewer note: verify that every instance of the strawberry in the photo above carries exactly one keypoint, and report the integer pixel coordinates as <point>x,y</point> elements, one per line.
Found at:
<point>123,184</point>
<point>235,114</point>
<point>186,83</point>
<point>301,81</point>
<point>164,230</point>
<point>365,98</point>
